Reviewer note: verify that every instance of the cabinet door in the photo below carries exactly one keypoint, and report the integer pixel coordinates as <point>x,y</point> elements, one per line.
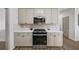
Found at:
<point>23,39</point>
<point>50,39</point>
<point>58,39</point>
<point>54,16</point>
<point>29,15</point>
<point>39,12</point>
<point>44,12</point>
<point>25,15</point>
<point>48,15</point>
<point>21,16</point>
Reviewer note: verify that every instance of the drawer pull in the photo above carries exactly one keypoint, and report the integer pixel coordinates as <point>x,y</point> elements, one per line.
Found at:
<point>22,35</point>
<point>54,35</point>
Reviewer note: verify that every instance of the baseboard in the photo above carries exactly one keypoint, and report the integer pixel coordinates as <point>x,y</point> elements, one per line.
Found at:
<point>69,38</point>
<point>2,45</point>
<point>22,47</point>
<point>54,46</point>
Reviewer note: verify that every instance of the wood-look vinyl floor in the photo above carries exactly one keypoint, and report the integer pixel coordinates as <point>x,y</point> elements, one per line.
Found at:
<point>70,44</point>
<point>30,48</point>
<point>2,45</point>
<point>67,45</point>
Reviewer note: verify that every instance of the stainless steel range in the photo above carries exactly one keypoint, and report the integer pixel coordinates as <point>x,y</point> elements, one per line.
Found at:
<point>39,38</point>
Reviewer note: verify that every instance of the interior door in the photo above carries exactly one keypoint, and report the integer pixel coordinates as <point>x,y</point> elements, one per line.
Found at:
<point>66,26</point>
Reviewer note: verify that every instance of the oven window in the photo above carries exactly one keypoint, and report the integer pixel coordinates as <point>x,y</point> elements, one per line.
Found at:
<point>40,40</point>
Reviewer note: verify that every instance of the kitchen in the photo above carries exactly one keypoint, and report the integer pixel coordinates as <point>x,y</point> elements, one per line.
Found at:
<point>39,28</point>
<point>33,24</point>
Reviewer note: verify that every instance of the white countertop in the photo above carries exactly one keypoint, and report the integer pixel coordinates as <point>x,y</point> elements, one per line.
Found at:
<point>52,30</point>
<point>28,30</point>
<point>24,30</point>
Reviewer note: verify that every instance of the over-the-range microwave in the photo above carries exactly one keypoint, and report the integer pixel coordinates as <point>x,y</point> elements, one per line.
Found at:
<point>39,20</point>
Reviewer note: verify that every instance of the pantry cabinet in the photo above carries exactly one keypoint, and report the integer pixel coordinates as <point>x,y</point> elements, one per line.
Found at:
<point>54,39</point>
<point>23,38</point>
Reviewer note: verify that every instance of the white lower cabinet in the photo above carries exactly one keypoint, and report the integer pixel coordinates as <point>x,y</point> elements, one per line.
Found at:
<point>54,39</point>
<point>23,39</point>
<point>50,39</point>
<point>59,39</point>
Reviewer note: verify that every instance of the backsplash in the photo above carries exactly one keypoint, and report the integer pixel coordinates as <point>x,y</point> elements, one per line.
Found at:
<point>28,26</point>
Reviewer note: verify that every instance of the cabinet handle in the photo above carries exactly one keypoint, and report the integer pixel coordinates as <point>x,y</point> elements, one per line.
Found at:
<point>54,35</point>
<point>22,35</point>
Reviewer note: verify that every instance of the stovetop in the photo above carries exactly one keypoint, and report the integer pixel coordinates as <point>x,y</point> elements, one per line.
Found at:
<point>39,31</point>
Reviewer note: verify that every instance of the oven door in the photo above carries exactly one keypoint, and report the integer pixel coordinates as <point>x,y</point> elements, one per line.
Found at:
<point>39,39</point>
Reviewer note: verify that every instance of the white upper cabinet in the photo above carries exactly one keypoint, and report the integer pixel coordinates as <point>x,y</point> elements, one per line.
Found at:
<point>54,19</point>
<point>39,12</point>
<point>22,16</point>
<point>25,15</point>
<point>29,17</point>
<point>48,15</point>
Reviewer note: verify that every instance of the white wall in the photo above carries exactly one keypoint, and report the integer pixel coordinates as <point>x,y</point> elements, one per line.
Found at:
<point>71,13</point>
<point>11,16</point>
<point>76,25</point>
<point>2,19</point>
<point>2,24</point>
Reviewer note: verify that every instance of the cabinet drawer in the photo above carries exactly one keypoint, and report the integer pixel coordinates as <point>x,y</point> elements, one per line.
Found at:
<point>19,35</point>
<point>23,35</point>
<point>51,35</point>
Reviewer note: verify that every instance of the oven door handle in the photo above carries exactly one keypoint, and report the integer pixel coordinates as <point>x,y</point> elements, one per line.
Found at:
<point>39,34</point>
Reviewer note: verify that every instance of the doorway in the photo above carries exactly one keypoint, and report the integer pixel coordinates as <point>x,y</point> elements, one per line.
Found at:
<point>66,26</point>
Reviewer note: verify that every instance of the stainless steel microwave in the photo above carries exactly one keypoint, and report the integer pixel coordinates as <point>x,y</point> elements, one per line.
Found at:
<point>39,20</point>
